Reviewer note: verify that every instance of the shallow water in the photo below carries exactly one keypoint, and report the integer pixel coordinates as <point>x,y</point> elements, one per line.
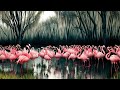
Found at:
<point>59,71</point>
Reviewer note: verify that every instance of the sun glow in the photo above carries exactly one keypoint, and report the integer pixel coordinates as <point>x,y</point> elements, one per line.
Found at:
<point>47,15</point>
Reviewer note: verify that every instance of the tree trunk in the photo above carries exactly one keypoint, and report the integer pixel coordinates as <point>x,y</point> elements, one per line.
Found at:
<point>19,39</point>
<point>103,16</point>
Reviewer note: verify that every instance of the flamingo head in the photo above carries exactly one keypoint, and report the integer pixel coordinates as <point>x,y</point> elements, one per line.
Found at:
<point>38,49</point>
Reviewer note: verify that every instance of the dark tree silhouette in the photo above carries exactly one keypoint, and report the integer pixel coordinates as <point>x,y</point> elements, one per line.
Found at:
<point>20,21</point>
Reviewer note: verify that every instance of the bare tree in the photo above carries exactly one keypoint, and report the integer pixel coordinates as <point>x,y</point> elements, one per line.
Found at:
<point>20,21</point>
<point>99,25</point>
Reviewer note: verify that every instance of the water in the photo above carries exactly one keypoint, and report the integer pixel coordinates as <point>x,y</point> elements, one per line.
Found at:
<point>43,73</point>
<point>56,69</point>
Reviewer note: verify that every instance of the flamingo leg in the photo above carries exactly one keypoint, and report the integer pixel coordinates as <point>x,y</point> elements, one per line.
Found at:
<point>98,65</point>
<point>10,68</point>
<point>103,63</point>
<point>75,71</point>
<point>88,62</point>
<point>116,67</point>
<point>89,66</point>
<point>85,69</point>
<point>26,67</point>
<point>117,71</point>
<point>111,68</point>
<point>95,63</point>
<point>21,69</point>
<point>13,68</point>
<point>67,69</point>
<point>94,68</point>
<point>83,66</point>
<point>2,66</point>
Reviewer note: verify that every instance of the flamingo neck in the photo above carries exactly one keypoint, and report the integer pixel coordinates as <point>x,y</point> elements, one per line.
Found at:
<point>107,56</point>
<point>103,50</point>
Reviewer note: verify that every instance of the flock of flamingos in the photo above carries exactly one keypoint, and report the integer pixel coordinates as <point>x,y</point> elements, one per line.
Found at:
<point>82,53</point>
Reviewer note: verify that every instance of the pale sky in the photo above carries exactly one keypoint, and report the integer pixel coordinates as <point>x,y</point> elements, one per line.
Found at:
<point>46,15</point>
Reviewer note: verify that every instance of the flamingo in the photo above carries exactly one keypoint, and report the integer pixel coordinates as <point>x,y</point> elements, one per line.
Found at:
<point>83,56</point>
<point>50,52</point>
<point>112,58</point>
<point>58,54</point>
<point>34,54</point>
<point>13,50</point>
<point>23,56</point>
<point>99,55</point>
<point>47,57</point>
<point>73,56</point>
<point>42,53</point>
<point>66,55</point>
<point>22,59</point>
<point>117,50</point>
<point>12,58</point>
<point>89,52</point>
<point>28,47</point>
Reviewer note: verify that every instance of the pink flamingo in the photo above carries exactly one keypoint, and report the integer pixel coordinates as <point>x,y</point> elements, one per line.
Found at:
<point>23,59</point>
<point>42,53</point>
<point>73,53</point>
<point>65,55</point>
<point>117,50</point>
<point>58,54</point>
<point>24,51</point>
<point>50,52</point>
<point>83,57</point>
<point>99,54</point>
<point>34,54</point>
<point>89,52</point>
<point>71,50</point>
<point>113,59</point>
<point>47,57</point>
<point>13,50</point>
<point>18,53</point>
<point>28,47</point>
<point>72,56</point>
<point>12,58</point>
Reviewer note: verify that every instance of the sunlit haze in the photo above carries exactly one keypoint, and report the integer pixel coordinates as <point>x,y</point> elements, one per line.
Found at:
<point>47,15</point>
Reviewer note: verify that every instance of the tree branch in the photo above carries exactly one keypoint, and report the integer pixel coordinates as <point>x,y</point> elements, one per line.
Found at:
<point>80,18</point>
<point>3,31</point>
<point>99,13</point>
<point>91,19</point>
